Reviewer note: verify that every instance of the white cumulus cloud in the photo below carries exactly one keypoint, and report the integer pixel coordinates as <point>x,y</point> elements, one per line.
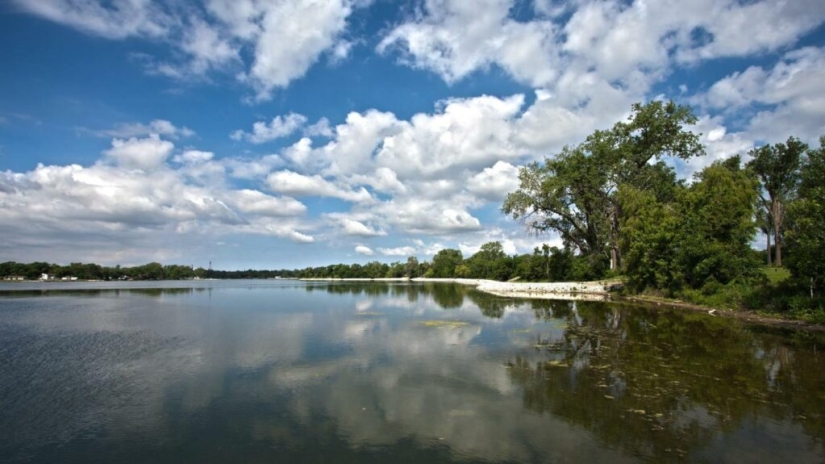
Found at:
<point>146,153</point>
<point>364,250</point>
<point>286,38</point>
<point>280,126</point>
<point>293,183</point>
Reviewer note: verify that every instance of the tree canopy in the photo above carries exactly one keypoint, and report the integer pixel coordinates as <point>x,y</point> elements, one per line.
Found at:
<point>575,193</point>
<point>777,167</point>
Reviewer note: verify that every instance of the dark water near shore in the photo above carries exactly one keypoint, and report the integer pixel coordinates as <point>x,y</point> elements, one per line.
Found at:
<point>282,371</point>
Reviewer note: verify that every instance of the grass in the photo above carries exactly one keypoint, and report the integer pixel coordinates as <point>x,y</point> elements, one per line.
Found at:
<point>776,275</point>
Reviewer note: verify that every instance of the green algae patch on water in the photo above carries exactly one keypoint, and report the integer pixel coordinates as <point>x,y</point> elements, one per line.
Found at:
<point>520,331</point>
<point>556,363</point>
<point>444,324</point>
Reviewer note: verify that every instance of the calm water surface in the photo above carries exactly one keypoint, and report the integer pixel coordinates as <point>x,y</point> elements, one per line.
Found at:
<point>282,371</point>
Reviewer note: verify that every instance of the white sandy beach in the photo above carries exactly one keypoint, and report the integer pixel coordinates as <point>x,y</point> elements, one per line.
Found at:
<point>596,290</point>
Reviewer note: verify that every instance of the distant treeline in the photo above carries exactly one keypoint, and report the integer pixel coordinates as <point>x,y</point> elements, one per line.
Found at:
<point>490,262</point>
<point>89,271</point>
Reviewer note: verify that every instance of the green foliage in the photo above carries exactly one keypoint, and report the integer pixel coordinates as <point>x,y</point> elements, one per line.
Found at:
<point>490,262</point>
<point>650,241</point>
<point>777,167</point>
<point>412,267</point>
<point>699,241</point>
<point>776,275</point>
<point>463,271</point>
<point>575,194</point>
<point>564,195</point>
<point>718,225</point>
<point>806,223</point>
<point>445,262</point>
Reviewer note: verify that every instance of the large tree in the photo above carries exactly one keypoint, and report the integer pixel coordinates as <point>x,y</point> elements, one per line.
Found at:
<point>806,218</point>
<point>717,225</point>
<point>575,193</point>
<point>777,167</point>
<point>445,262</point>
<point>490,262</point>
<point>700,238</point>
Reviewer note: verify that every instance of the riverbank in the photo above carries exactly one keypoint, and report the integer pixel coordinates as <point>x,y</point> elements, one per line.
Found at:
<point>591,291</point>
<point>594,291</point>
<point>742,315</point>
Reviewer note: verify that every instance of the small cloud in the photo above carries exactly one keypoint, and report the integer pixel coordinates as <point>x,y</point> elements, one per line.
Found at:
<point>340,51</point>
<point>279,127</point>
<point>319,129</point>
<point>136,129</point>
<point>293,183</point>
<point>193,157</point>
<point>398,251</point>
<point>353,227</point>
<point>363,250</point>
<point>147,153</point>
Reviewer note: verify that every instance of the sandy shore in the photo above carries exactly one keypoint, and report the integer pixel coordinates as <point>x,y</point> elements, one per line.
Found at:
<point>549,290</point>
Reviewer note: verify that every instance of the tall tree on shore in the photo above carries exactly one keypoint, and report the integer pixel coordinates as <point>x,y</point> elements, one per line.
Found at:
<point>575,193</point>
<point>700,239</point>
<point>445,262</point>
<point>806,218</point>
<point>777,167</point>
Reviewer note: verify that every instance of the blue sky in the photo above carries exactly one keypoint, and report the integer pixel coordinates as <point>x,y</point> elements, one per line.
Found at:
<point>282,134</point>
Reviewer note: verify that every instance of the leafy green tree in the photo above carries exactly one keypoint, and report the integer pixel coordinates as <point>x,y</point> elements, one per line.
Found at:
<point>490,262</point>
<point>445,262</point>
<point>806,232</point>
<point>718,210</point>
<point>462,271</point>
<point>374,270</point>
<point>701,239</point>
<point>411,268</point>
<point>575,194</point>
<point>560,264</point>
<point>564,196</point>
<point>396,270</point>
<point>650,241</point>
<point>777,167</point>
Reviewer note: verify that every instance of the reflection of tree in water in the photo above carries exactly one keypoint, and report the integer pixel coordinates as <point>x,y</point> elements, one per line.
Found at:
<point>552,309</point>
<point>98,292</point>
<point>662,384</point>
<point>353,288</point>
<point>448,296</point>
<point>490,305</point>
<point>155,292</point>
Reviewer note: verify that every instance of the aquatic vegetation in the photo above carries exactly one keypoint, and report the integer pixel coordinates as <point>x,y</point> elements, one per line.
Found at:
<point>444,323</point>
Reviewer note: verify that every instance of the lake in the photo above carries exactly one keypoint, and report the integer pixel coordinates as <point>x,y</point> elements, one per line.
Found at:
<point>288,371</point>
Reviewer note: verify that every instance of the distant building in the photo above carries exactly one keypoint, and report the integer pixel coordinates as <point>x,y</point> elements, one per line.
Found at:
<point>45,276</point>
<point>14,278</point>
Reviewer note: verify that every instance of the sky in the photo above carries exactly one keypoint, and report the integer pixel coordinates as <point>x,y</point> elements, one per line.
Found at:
<point>292,133</point>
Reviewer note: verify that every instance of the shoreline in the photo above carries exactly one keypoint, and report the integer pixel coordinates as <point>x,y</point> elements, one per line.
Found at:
<point>744,316</point>
<point>591,291</point>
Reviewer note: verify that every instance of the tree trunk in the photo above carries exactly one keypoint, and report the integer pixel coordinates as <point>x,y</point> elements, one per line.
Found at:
<point>777,224</point>
<point>768,250</point>
<point>615,254</point>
